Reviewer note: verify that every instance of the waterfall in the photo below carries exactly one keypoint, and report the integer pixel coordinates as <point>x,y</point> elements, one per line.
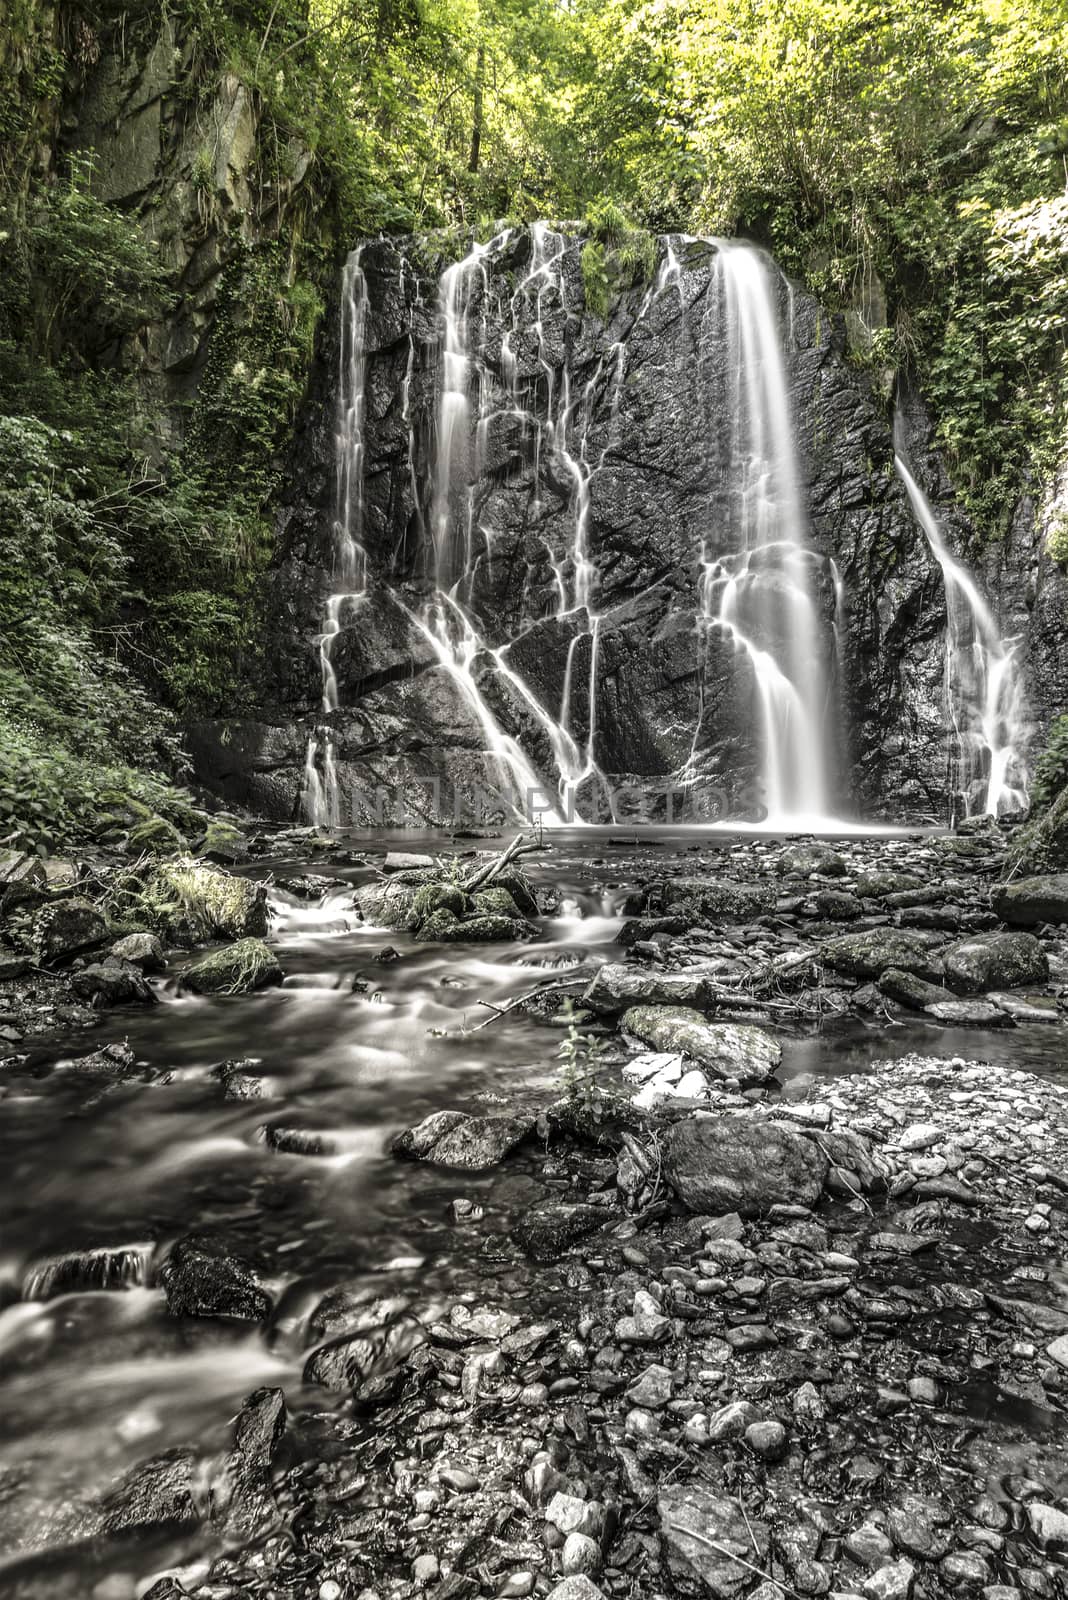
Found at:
<point>758,591</point>
<point>321,801</point>
<point>984,699</point>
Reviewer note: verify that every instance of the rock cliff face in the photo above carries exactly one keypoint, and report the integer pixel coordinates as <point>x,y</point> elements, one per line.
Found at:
<point>577,534</point>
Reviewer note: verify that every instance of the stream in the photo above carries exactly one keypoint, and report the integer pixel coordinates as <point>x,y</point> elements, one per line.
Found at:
<point>92,1381</point>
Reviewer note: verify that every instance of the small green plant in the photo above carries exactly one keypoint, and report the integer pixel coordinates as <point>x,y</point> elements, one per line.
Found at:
<point>1057,539</point>
<point>580,1061</point>
<point>1051,768</point>
<point>616,256</point>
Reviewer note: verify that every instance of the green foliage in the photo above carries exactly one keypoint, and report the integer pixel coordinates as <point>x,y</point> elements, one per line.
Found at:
<point>617,255</point>
<point>580,1062</point>
<point>911,144</point>
<point>1051,768</point>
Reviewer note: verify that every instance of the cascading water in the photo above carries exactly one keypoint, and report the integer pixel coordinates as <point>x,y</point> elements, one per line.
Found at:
<point>513,358</point>
<point>983,694</point>
<point>321,799</point>
<point>758,590</point>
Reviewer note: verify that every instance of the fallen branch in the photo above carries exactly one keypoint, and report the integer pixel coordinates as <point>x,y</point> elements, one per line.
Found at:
<point>531,994</point>
<point>491,868</point>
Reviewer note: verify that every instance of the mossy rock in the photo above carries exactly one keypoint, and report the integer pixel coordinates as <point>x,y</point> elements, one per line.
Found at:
<point>440,927</point>
<point>62,930</point>
<point>495,902</point>
<point>488,930</point>
<point>388,905</point>
<point>239,969</point>
<point>192,902</point>
<point>439,897</point>
<point>155,837</point>
<point>223,842</point>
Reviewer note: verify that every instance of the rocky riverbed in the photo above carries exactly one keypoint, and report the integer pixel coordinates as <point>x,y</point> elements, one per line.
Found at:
<point>681,1332</point>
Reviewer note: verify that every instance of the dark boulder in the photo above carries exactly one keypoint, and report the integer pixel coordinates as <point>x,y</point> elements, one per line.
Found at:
<point>159,1493</point>
<point>112,983</point>
<point>201,1280</point>
<point>546,1231</point>
<point>871,953</point>
<point>64,929</point>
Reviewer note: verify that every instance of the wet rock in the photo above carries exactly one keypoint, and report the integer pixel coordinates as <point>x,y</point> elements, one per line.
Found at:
<point>869,1545</point>
<point>1058,1351</point>
<point>1048,1524</point>
<point>571,1515</point>
<point>144,950</point>
<point>766,1439</point>
<point>909,990</point>
<point>876,950</point>
<point>112,983</point>
<point>805,860</point>
<point>969,1014</point>
<point>730,1050</point>
<point>580,1554</point>
<point>408,861</point>
<point>653,1389</point>
<point>723,1164</point>
<point>353,1360</point>
<point>575,1588</point>
<point>638,929</point>
<point>242,1500</point>
<point>718,901</point>
<point>453,1139</point>
<point>995,961</point>
<point>702,1533</point>
<point>1025,902</point>
<point>241,968</point>
<point>63,930</point>
<point>731,1420</point>
<point>299,1141</point>
<point>202,1281</point>
<point>892,1582</point>
<point>444,928</point>
<point>914,1526</point>
<point>193,903</point>
<point>105,1267</point>
<point>965,1569</point>
<point>111,1061</point>
<point>546,1231</point>
<point>158,1493</point>
<point>388,905</point>
<point>617,988</point>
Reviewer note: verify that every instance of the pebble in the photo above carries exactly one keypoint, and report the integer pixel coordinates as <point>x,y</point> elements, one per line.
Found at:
<point>892,1582</point>
<point>1048,1525</point>
<point>425,1569</point>
<point>767,1439</point>
<point>330,1590</point>
<point>580,1554</point>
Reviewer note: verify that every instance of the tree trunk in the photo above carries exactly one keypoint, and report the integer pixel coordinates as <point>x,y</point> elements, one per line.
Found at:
<point>476,130</point>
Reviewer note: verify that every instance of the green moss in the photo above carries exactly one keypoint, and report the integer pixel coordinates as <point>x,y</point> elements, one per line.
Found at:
<point>617,255</point>
<point>192,901</point>
<point>155,836</point>
<point>239,969</point>
<point>434,897</point>
<point>495,903</point>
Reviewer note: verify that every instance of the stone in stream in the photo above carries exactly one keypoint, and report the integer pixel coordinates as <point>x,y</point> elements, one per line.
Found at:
<point>443,927</point>
<point>454,1139</point>
<point>388,905</point>
<point>299,1141</point>
<point>969,1014</point>
<point>408,861</point>
<point>709,1539</point>
<point>546,1231</point>
<point>161,1492</point>
<point>201,1280</point>
<point>637,929</point>
<point>805,860</point>
<point>240,968</point>
<point>617,987</point>
<point>730,1050</point>
<point>193,902</point>
<point>995,961</point>
<point>110,1061</point>
<point>242,1501</point>
<point>909,990</point>
<point>112,982</point>
<point>743,1164</point>
<point>145,950</point>
<point>706,898</point>
<point>77,1271</point>
<point>350,1361</point>
<point>876,950</point>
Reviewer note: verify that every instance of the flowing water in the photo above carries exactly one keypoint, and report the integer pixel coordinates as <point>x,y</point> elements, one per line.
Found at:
<point>503,357</point>
<point>985,709</point>
<point>101,1177</point>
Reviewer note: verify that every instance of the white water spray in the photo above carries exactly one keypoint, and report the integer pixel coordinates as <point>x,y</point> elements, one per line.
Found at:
<point>759,591</point>
<point>983,694</point>
<point>321,801</point>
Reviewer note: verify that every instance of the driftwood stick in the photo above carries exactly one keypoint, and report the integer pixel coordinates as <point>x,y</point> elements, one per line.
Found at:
<point>491,868</point>
<point>510,1005</point>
